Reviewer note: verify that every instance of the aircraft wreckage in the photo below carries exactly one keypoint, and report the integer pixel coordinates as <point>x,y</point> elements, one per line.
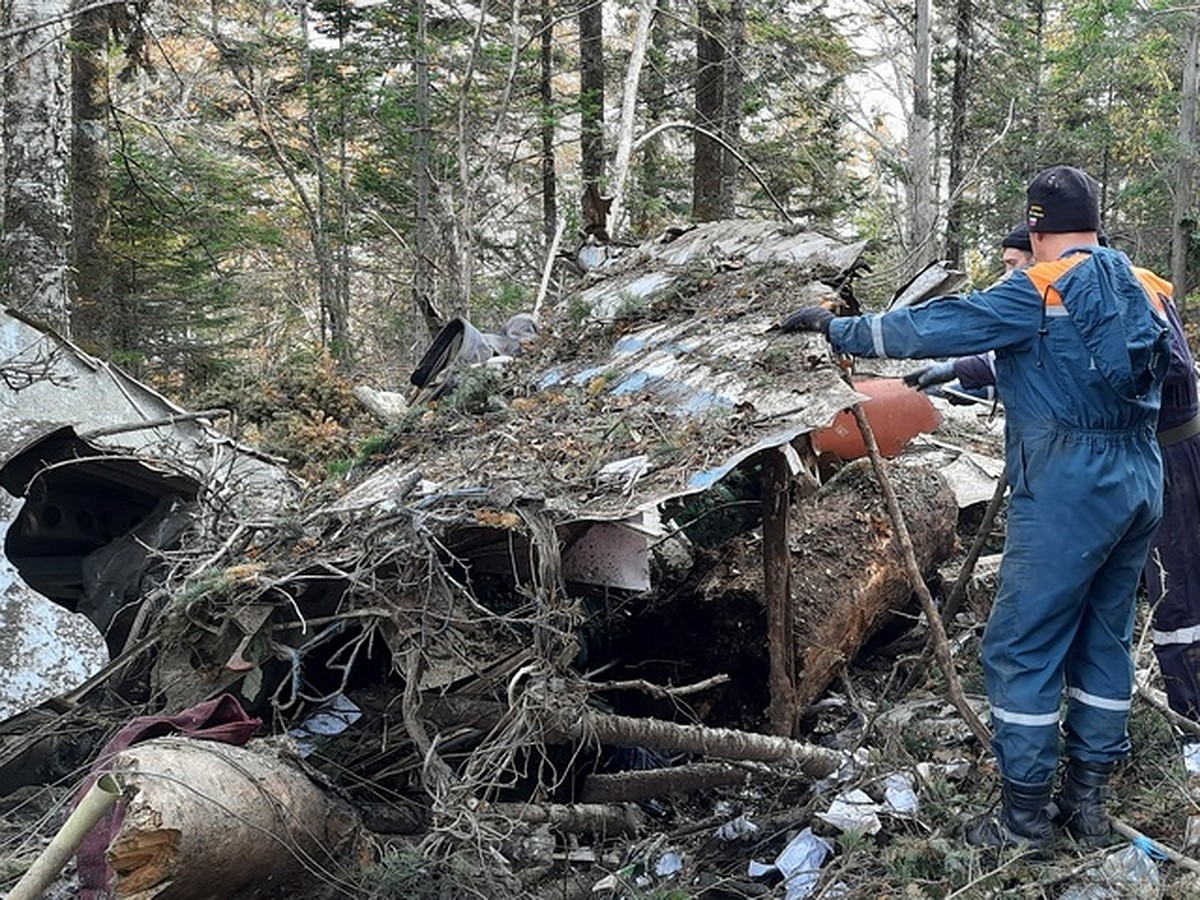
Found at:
<point>623,496</point>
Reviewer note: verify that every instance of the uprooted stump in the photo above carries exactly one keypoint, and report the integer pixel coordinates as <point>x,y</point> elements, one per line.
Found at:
<point>848,574</point>
<point>847,582</point>
<point>207,819</point>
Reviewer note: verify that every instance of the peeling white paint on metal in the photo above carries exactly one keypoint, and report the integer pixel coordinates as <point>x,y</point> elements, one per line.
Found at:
<point>45,650</point>
<point>49,383</point>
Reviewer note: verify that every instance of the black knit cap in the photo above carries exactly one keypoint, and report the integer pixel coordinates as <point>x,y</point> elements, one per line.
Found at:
<point>1018,239</point>
<point>1063,199</point>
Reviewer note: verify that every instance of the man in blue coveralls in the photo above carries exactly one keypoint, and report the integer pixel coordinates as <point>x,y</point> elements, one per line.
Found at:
<point>1081,348</point>
<point>1172,572</point>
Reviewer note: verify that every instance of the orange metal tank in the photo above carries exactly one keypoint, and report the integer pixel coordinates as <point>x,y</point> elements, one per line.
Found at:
<point>896,413</point>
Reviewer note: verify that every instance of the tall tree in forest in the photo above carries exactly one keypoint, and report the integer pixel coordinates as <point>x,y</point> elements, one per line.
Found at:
<point>423,230</point>
<point>297,143</point>
<point>646,211</point>
<point>1183,218</point>
<point>731,98</point>
<point>36,138</point>
<point>93,310</point>
<point>708,150</point>
<point>958,130</point>
<point>921,159</point>
<point>633,76</point>
<point>591,90</point>
<point>548,119</point>
<point>329,208</point>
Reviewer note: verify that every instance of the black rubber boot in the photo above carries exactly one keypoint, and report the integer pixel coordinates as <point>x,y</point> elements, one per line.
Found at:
<point>1079,805</point>
<point>1023,818</point>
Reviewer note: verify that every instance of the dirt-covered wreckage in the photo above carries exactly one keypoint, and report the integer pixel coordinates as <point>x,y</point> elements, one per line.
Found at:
<point>626,563</point>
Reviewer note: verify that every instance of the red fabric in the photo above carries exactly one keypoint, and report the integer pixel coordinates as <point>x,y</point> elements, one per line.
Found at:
<point>222,719</point>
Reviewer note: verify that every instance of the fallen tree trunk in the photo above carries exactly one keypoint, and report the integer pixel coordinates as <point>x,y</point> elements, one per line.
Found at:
<point>583,724</point>
<point>209,819</point>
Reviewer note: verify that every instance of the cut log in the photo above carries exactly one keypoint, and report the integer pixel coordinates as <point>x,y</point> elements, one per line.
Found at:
<point>213,820</point>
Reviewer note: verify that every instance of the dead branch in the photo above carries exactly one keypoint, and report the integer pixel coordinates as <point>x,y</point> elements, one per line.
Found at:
<point>777,593</point>
<point>435,773</point>
<point>712,136</point>
<point>968,567</point>
<point>604,819</point>
<point>959,590</point>
<point>658,690</point>
<point>620,787</point>
<point>155,423</point>
<point>587,725</point>
<point>1159,701</point>
<point>937,631</point>
<point>1127,830</point>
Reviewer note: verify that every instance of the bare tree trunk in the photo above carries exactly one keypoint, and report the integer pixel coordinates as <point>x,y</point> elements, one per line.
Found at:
<point>1182,218</point>
<point>335,312</point>
<point>93,310</point>
<point>921,220</point>
<point>423,233</point>
<point>958,129</point>
<point>655,101</point>
<point>591,90</point>
<point>731,115</point>
<point>1038,7</point>
<point>708,158</point>
<point>36,142</point>
<point>642,784</point>
<point>628,105</point>
<point>549,178</point>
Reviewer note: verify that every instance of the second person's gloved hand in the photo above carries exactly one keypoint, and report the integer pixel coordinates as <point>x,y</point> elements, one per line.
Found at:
<point>810,318</point>
<point>938,373</point>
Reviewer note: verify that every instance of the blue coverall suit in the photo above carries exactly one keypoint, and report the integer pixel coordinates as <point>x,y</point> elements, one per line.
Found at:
<point>1081,349</point>
<point>1173,552</point>
<point>1172,571</point>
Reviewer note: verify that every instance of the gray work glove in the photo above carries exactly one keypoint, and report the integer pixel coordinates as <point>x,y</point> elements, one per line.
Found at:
<point>810,318</point>
<point>938,373</point>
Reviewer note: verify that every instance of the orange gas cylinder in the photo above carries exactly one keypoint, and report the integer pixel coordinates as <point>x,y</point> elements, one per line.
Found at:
<point>896,413</point>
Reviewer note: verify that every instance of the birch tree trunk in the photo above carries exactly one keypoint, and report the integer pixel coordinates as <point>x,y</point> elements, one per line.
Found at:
<point>628,105</point>
<point>1183,216</point>
<point>921,144</point>
<point>646,213</point>
<point>36,149</point>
